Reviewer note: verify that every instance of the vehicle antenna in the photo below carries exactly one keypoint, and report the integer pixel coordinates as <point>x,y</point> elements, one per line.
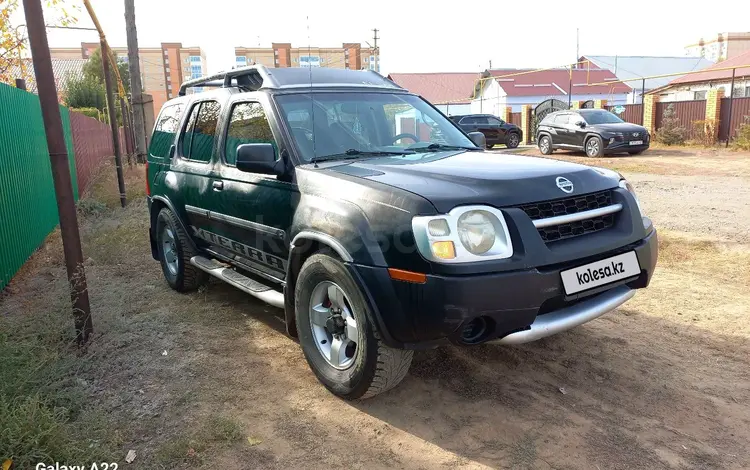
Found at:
<point>309,70</point>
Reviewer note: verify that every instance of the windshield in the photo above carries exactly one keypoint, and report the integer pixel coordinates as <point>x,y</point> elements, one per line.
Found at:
<point>344,125</point>
<point>601,117</point>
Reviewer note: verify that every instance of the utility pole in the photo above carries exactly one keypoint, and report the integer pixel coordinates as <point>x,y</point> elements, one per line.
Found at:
<point>136,89</point>
<point>58,153</point>
<point>377,52</point>
<point>111,107</point>
<point>490,64</point>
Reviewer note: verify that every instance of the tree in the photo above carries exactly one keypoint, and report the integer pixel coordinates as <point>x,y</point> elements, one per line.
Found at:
<point>13,39</point>
<point>93,69</point>
<point>84,92</point>
<point>671,132</point>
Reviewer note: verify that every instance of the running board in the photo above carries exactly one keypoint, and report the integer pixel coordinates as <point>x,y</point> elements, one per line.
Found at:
<point>230,276</point>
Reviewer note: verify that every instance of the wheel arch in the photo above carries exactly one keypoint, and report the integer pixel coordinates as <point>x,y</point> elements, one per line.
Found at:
<point>157,204</point>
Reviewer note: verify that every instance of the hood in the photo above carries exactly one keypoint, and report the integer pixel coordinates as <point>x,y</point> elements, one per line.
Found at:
<point>449,179</point>
<point>619,127</point>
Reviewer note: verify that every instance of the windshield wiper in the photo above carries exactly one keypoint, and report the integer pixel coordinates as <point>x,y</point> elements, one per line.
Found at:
<point>438,146</point>
<point>354,153</point>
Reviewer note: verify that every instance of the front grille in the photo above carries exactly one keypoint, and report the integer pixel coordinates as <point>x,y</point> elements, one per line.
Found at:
<point>567,206</point>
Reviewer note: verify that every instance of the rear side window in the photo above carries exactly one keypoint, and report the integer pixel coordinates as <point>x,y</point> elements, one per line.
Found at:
<point>165,130</point>
<point>469,120</point>
<point>248,124</point>
<point>200,131</point>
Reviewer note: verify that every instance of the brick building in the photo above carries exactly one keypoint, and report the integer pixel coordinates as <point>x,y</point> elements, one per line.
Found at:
<point>348,56</point>
<point>721,46</point>
<point>163,69</point>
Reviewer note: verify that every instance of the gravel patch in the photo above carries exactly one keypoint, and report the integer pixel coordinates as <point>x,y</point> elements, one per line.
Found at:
<point>716,206</point>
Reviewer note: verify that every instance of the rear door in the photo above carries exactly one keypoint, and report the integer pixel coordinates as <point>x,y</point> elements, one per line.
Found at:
<point>468,124</point>
<point>562,130</point>
<point>193,166</point>
<point>483,125</point>
<point>255,210</point>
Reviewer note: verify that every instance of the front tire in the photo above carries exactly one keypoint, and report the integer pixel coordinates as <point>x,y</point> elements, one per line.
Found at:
<point>594,146</point>
<point>175,251</point>
<point>637,152</point>
<point>513,140</point>
<point>343,348</point>
<point>545,145</point>
<point>489,146</point>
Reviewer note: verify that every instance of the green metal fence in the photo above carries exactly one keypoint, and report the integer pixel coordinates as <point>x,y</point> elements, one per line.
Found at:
<point>28,211</point>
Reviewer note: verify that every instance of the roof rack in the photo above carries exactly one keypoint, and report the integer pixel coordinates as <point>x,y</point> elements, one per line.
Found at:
<point>251,78</point>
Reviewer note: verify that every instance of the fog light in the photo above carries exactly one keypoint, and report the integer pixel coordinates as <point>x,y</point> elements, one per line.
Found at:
<point>444,250</point>
<point>611,140</point>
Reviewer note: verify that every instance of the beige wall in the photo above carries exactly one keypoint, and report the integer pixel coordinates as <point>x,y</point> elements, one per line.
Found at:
<point>156,81</point>
<point>334,57</point>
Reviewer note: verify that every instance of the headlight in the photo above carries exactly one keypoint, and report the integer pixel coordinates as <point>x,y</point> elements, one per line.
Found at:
<point>465,234</point>
<point>624,184</point>
<point>476,232</point>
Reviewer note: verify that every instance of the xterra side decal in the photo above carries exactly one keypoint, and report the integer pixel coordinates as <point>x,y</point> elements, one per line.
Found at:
<point>268,230</point>
<point>246,251</point>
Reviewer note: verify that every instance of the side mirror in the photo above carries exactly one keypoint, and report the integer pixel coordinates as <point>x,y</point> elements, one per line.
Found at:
<point>478,139</point>
<point>258,158</point>
<point>581,124</point>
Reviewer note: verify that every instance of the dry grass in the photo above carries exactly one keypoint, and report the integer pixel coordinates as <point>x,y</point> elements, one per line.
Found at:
<point>711,161</point>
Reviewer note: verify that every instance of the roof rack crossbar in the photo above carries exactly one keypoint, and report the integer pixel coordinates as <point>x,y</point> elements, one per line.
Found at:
<point>252,77</point>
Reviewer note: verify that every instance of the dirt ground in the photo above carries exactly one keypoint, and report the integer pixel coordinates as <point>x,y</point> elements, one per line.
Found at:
<point>662,382</point>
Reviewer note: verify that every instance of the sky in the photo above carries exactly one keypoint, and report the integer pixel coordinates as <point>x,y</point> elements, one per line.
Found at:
<point>418,36</point>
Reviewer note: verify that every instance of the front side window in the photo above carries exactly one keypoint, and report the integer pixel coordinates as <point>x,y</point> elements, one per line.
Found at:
<point>200,131</point>
<point>165,130</point>
<point>248,124</point>
<point>495,121</point>
<point>600,117</point>
<point>344,123</point>
<point>561,119</point>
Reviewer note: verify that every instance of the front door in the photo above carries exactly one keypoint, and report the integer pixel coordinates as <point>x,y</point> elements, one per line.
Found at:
<point>499,128</point>
<point>255,211</point>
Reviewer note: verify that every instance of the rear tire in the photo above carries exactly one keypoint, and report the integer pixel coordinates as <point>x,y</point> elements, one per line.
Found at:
<point>363,370</point>
<point>175,251</point>
<point>545,145</point>
<point>513,140</point>
<point>594,146</point>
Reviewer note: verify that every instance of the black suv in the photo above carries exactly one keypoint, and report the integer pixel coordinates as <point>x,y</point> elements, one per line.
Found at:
<point>377,225</point>
<point>596,131</point>
<point>495,130</point>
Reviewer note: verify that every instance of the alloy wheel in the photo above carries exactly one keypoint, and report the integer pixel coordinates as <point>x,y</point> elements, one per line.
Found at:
<point>592,147</point>
<point>169,248</point>
<point>334,327</point>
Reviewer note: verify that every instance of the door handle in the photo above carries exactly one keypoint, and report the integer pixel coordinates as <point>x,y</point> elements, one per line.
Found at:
<point>218,185</point>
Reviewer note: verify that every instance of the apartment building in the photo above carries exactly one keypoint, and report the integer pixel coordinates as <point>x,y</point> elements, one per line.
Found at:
<point>721,46</point>
<point>163,69</point>
<point>348,56</point>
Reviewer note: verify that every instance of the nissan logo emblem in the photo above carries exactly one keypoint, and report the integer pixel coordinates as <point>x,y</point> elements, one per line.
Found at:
<point>564,184</point>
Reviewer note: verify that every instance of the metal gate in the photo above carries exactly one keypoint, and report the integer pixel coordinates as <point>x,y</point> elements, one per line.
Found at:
<point>588,104</point>
<point>542,110</point>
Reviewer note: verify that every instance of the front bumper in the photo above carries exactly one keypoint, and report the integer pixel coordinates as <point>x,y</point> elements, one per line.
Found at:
<point>519,306</point>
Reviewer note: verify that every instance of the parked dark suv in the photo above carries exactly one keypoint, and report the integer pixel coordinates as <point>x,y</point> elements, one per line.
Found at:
<point>495,130</point>
<point>377,225</point>
<point>596,131</point>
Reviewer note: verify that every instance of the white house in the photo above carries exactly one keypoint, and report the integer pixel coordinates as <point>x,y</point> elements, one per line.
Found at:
<point>513,87</point>
<point>634,69</point>
<point>695,86</point>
